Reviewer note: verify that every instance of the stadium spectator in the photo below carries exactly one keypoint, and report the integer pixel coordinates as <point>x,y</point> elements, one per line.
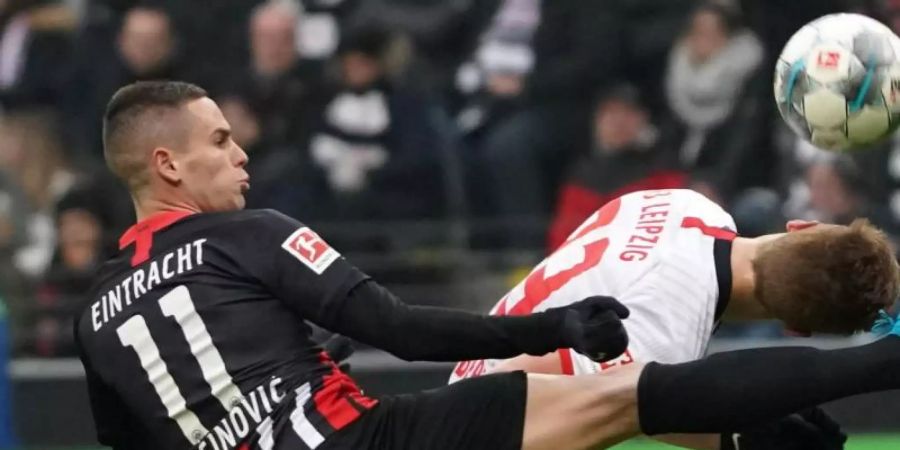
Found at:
<point>377,144</point>
<point>576,49</point>
<point>145,49</point>
<point>15,289</point>
<point>34,48</point>
<point>493,78</point>
<point>32,158</point>
<point>33,176</point>
<point>836,195</point>
<point>320,27</point>
<point>712,85</point>
<point>651,27</point>
<point>820,185</point>
<point>626,156</point>
<point>281,87</point>
<point>79,242</point>
<point>443,34</point>
<point>88,220</point>
<point>282,177</point>
<point>890,9</point>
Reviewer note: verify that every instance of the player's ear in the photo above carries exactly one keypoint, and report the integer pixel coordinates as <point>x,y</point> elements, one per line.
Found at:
<point>165,165</point>
<point>797,225</point>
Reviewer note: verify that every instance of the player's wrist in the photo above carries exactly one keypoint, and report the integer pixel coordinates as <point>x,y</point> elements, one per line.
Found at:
<point>542,333</point>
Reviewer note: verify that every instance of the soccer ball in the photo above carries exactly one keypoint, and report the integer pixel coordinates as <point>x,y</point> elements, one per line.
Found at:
<point>837,82</point>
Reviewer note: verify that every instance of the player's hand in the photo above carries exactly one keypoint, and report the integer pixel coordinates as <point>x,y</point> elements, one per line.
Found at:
<point>811,429</point>
<point>593,327</point>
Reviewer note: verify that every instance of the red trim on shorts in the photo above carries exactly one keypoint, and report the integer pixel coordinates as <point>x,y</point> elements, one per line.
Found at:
<point>141,233</point>
<point>565,361</point>
<point>716,232</point>
<point>333,401</point>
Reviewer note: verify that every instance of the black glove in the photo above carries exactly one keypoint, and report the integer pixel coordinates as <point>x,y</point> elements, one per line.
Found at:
<point>339,348</point>
<point>811,429</point>
<point>593,327</point>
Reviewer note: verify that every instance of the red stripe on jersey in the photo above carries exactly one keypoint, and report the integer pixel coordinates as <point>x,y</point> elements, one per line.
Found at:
<point>605,216</point>
<point>141,233</point>
<point>501,308</point>
<point>538,288</point>
<point>333,400</point>
<point>718,233</point>
<point>565,361</point>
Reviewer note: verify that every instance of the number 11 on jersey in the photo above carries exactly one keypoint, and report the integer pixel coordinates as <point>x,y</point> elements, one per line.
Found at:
<point>134,333</point>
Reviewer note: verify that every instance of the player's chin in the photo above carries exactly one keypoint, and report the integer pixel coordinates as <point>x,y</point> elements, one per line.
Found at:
<point>234,202</point>
<point>240,202</point>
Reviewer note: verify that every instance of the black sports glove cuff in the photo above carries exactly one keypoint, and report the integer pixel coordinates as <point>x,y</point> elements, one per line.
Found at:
<point>808,429</point>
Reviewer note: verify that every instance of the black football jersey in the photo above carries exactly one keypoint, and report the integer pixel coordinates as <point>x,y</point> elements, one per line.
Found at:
<point>195,335</point>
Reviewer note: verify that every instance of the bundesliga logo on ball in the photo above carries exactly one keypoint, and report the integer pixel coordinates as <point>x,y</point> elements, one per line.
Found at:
<point>837,82</point>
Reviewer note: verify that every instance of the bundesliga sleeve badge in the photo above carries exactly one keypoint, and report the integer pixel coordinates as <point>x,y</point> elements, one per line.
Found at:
<point>305,245</point>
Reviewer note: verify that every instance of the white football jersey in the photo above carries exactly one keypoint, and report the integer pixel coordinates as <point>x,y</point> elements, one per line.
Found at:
<point>665,254</point>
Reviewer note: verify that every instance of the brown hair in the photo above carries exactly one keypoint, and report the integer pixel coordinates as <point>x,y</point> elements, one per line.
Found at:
<point>829,279</point>
<point>135,111</point>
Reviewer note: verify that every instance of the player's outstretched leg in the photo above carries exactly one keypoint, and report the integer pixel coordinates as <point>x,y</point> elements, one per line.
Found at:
<point>732,390</point>
<point>726,391</point>
<point>588,411</point>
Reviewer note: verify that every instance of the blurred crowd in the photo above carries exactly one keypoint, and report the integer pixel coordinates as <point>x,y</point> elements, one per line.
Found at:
<point>414,124</point>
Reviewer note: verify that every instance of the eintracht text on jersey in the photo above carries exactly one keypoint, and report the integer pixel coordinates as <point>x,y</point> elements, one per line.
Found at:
<point>139,281</point>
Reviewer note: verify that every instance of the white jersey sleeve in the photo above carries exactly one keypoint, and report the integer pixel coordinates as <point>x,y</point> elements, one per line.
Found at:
<point>653,250</point>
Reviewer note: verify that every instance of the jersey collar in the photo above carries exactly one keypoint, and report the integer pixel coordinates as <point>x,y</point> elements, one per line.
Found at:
<point>722,260</point>
<point>141,233</point>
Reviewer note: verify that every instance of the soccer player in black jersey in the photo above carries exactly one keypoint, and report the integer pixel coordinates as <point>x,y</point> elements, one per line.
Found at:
<point>194,335</point>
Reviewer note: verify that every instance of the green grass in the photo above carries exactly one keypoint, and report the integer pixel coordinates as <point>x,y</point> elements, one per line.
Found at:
<point>860,442</point>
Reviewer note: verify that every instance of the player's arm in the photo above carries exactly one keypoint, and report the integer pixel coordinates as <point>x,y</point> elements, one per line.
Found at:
<point>372,314</point>
<point>549,364</point>
<point>315,281</point>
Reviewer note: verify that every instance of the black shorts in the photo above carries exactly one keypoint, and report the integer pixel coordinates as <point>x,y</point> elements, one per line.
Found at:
<point>486,413</point>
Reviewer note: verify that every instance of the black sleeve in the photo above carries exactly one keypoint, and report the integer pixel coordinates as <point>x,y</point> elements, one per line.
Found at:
<point>111,417</point>
<point>371,314</point>
<point>328,291</point>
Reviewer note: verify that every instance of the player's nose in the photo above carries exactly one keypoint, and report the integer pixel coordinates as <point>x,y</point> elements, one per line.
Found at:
<point>242,157</point>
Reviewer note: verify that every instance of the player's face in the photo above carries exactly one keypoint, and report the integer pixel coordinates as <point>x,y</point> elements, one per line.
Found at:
<point>212,163</point>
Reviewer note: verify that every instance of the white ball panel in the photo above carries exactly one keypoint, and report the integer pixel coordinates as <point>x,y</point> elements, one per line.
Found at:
<point>829,139</point>
<point>868,125</point>
<point>824,108</point>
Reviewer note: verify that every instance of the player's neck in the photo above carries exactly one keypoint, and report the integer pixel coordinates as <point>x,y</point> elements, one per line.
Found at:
<point>148,206</point>
<point>743,304</point>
